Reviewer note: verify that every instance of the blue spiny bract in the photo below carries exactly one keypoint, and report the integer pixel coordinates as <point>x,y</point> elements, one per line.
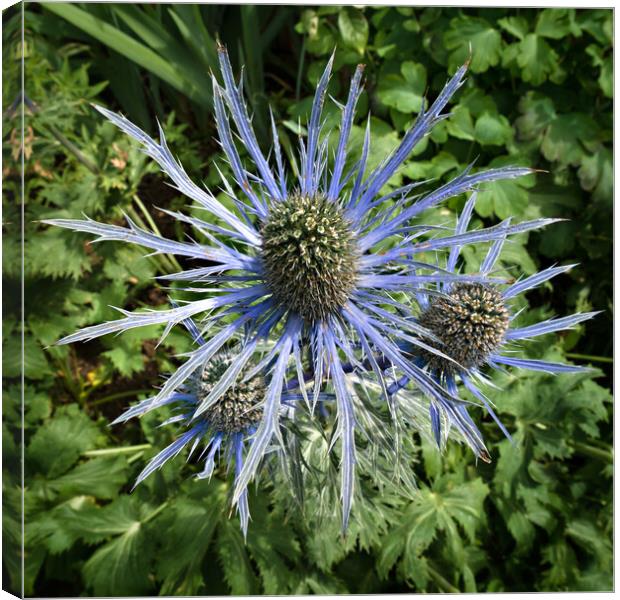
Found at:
<point>220,418</point>
<point>473,325</point>
<point>345,305</point>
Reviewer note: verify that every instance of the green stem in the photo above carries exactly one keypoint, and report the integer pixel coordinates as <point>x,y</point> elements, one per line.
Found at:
<point>592,451</point>
<point>116,451</point>
<point>160,261</point>
<point>135,457</point>
<point>68,375</point>
<point>146,214</point>
<point>300,70</point>
<point>91,166</point>
<point>118,396</point>
<point>442,583</point>
<point>155,513</point>
<point>172,260</point>
<point>603,359</point>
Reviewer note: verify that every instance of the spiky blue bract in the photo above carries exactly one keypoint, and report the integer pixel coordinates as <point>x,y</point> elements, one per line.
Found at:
<point>222,424</point>
<point>474,324</point>
<point>247,303</point>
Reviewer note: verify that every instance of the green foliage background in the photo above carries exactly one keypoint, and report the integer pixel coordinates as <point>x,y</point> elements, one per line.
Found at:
<point>539,93</point>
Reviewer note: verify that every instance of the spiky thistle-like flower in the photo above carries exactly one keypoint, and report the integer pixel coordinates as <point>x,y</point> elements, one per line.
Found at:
<point>473,323</point>
<point>224,428</point>
<point>310,263</point>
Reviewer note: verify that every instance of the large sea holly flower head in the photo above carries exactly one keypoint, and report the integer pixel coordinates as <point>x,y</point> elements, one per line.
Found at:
<point>473,323</point>
<point>301,261</point>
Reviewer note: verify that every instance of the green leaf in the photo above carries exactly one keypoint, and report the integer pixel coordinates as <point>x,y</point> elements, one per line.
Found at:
<point>234,560</point>
<point>539,503</point>
<point>538,112</point>
<point>538,61</point>
<point>517,26</point>
<point>414,568</point>
<point>556,23</point>
<point>78,518</point>
<point>322,41</point>
<point>55,242</point>
<point>521,529</point>
<point>37,405</point>
<point>404,93</point>
<point>190,24</point>
<point>130,48</point>
<point>57,445</point>
<point>463,502</point>
<point>189,527</point>
<point>35,365</point>
<point>564,138</point>
<point>309,22</point>
<point>121,566</point>
<point>441,163</point>
<point>125,359</point>
<point>504,198</point>
<point>563,565</point>
<point>477,102</point>
<point>127,353</point>
<point>128,263</point>
<point>598,23</point>
<point>448,503</point>
<point>325,547</point>
<point>353,28</point>
<point>384,141</point>
<point>587,402</point>
<point>101,477</point>
<point>493,129</point>
<point>59,528</point>
<point>516,254</point>
<point>460,124</point>
<point>12,539</point>
<point>596,175</point>
<point>486,43</point>
<point>588,535</point>
<point>414,74</point>
<point>439,133</point>
<point>155,35</point>
<point>606,77</point>
<point>272,546</point>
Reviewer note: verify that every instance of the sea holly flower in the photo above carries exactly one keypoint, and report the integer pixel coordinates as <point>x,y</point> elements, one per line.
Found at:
<point>223,429</point>
<point>310,263</point>
<point>474,325</point>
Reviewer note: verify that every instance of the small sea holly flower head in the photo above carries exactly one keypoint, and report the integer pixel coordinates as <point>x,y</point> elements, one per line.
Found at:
<point>301,260</point>
<point>474,325</point>
<point>218,429</point>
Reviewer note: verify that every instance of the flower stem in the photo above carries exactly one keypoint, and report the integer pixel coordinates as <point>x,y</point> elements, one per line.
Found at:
<point>116,451</point>
<point>169,258</point>
<point>442,583</point>
<point>118,396</point>
<point>603,359</point>
<point>592,451</point>
<point>91,166</point>
<point>154,513</point>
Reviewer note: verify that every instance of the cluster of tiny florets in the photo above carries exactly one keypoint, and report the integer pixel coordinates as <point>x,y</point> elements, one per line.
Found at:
<point>239,408</point>
<point>470,321</point>
<point>309,256</point>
